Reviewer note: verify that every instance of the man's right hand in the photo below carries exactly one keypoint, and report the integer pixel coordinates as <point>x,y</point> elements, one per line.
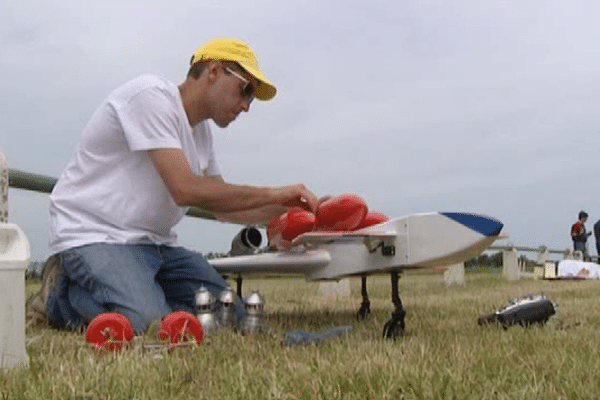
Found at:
<point>299,196</point>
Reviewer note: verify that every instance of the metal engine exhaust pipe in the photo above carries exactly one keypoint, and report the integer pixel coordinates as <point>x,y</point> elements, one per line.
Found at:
<point>247,241</point>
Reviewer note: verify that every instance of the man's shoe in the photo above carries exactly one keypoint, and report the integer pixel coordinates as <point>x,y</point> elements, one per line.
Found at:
<point>37,304</point>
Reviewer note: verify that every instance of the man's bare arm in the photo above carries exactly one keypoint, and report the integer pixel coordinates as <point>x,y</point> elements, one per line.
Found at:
<point>256,216</point>
<point>190,189</point>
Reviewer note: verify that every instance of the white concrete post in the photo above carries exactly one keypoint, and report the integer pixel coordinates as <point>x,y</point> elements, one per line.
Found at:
<point>3,201</point>
<point>510,264</point>
<point>3,188</point>
<point>542,255</point>
<point>14,258</point>
<point>455,275</point>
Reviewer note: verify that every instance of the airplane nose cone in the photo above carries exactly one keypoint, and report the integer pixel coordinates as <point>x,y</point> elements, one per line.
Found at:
<point>485,225</point>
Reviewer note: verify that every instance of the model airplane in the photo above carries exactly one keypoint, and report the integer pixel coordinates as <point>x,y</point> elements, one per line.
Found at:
<point>415,241</point>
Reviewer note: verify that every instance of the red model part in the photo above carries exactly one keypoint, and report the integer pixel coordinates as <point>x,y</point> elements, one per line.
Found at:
<point>341,213</point>
<point>110,331</point>
<point>181,326</point>
<point>290,225</point>
<point>373,218</point>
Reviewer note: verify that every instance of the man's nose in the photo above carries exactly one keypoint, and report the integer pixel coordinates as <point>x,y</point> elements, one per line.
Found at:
<point>246,104</point>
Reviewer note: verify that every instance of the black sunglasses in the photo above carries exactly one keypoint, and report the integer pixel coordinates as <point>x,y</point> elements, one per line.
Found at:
<point>248,89</point>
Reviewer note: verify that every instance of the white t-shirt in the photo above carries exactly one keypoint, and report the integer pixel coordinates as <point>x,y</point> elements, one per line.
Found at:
<point>110,191</point>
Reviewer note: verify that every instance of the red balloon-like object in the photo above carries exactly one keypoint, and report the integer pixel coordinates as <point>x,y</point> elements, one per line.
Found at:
<point>341,213</point>
<point>290,225</point>
<point>373,218</point>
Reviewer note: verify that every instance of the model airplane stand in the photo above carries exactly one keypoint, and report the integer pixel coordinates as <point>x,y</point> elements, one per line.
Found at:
<point>416,241</point>
<point>113,331</point>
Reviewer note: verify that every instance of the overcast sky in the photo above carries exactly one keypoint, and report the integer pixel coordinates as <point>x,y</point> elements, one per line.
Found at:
<point>471,106</point>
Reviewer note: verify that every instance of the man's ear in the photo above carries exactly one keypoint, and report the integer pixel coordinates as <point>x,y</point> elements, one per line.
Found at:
<point>213,71</point>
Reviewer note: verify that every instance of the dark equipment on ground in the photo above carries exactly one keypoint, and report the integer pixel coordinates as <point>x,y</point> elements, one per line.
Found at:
<point>525,312</point>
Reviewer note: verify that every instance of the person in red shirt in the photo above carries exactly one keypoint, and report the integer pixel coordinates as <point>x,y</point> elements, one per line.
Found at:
<point>580,235</point>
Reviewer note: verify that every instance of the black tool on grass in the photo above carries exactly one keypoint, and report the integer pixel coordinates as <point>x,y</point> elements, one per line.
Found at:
<point>527,311</point>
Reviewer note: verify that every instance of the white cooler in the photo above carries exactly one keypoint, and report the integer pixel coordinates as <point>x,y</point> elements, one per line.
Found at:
<point>14,259</point>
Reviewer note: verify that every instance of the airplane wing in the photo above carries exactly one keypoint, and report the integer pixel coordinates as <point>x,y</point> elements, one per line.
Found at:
<point>280,262</point>
<point>415,241</point>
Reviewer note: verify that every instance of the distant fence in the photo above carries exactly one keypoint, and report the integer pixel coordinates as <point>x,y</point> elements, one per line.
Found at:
<point>513,267</point>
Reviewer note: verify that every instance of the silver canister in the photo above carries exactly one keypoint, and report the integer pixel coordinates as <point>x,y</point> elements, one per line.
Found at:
<point>227,305</point>
<point>205,310</point>
<point>253,321</point>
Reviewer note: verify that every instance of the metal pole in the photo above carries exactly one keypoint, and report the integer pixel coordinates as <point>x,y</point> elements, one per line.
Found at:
<point>28,181</point>
<point>44,184</point>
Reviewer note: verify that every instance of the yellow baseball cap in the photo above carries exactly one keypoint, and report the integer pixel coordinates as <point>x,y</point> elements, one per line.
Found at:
<point>236,50</point>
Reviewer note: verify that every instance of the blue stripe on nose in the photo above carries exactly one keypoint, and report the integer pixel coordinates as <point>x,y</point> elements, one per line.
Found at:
<point>485,225</point>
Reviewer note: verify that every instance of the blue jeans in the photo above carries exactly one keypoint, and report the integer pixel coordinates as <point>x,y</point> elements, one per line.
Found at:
<point>144,282</point>
<point>581,246</point>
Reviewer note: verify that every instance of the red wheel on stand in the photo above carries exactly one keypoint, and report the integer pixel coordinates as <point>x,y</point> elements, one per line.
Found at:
<point>110,331</point>
<point>181,326</point>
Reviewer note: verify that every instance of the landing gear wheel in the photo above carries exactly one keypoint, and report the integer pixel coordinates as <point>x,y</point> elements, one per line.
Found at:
<point>394,328</point>
<point>110,331</point>
<point>364,311</point>
<point>181,326</point>
<point>365,306</point>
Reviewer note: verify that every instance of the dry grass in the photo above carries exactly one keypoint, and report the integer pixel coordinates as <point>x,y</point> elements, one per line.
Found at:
<point>444,355</point>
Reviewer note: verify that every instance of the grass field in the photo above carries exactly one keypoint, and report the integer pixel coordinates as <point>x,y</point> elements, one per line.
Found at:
<point>444,354</point>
